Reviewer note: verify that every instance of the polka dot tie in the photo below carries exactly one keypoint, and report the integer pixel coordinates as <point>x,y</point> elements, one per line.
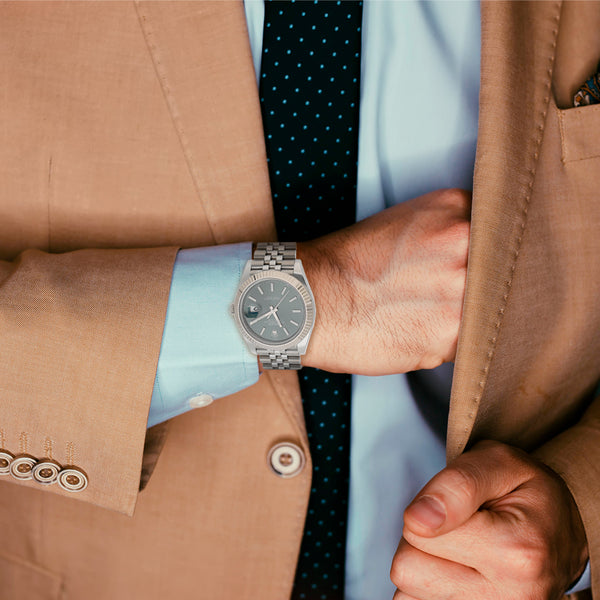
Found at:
<point>309,89</point>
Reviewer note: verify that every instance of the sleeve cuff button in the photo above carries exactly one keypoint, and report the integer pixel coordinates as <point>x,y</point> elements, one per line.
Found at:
<point>72,480</point>
<point>200,400</point>
<point>6,459</point>
<point>22,467</point>
<point>46,472</point>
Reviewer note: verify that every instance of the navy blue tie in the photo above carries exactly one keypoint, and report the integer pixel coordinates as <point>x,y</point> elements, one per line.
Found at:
<point>309,89</point>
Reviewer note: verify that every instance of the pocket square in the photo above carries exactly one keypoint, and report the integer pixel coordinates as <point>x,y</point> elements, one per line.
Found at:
<point>589,92</point>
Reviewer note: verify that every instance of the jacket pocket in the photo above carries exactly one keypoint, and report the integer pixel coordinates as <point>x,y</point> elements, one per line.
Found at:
<point>21,580</point>
<point>579,132</point>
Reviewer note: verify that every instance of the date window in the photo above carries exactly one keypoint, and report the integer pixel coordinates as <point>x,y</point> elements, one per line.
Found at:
<point>252,311</point>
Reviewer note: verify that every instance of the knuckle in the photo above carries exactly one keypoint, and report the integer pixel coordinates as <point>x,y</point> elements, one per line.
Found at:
<point>502,453</point>
<point>397,573</point>
<point>529,562</point>
<point>457,284</point>
<point>457,197</point>
<point>458,233</point>
<point>453,243</point>
<point>447,339</point>
<point>432,361</point>
<point>460,482</point>
<point>529,559</point>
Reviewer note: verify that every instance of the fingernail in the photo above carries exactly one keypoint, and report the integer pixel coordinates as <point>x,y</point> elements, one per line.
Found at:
<point>428,511</point>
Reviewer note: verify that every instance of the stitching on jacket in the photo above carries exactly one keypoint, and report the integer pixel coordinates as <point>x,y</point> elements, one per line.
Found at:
<point>2,439</point>
<point>70,449</point>
<point>524,211</point>
<point>48,448</point>
<point>287,401</point>
<point>161,75</point>
<point>23,442</point>
<point>563,140</point>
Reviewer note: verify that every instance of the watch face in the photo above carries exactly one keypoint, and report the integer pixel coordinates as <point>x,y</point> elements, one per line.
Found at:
<point>272,310</point>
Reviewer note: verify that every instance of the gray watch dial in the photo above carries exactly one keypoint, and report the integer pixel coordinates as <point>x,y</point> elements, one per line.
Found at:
<point>272,310</point>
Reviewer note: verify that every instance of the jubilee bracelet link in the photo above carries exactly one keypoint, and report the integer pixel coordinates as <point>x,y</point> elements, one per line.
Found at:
<point>285,360</point>
<point>274,256</point>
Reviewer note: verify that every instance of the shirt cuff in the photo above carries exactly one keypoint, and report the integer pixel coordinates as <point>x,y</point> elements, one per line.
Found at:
<point>202,356</point>
<point>583,583</point>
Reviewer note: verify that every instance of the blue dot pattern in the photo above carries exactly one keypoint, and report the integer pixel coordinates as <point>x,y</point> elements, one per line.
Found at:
<point>321,564</point>
<point>309,92</point>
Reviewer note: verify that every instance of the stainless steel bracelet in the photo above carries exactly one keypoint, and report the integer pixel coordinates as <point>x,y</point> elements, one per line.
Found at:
<point>285,360</point>
<point>274,256</point>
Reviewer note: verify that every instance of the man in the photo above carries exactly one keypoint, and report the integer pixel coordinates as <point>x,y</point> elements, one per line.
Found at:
<point>188,520</point>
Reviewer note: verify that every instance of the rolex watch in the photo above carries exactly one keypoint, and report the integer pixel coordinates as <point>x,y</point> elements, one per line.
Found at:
<point>274,307</point>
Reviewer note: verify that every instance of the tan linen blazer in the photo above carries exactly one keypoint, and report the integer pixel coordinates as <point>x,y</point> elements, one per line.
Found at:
<point>129,129</point>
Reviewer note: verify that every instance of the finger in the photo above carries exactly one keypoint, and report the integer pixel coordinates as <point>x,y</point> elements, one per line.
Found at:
<point>477,544</point>
<point>428,577</point>
<point>487,472</point>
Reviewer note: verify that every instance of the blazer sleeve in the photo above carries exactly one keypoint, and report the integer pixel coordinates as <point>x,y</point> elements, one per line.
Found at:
<point>80,336</point>
<point>575,456</point>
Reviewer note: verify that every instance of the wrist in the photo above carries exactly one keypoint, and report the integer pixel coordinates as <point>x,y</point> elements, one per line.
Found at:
<point>321,273</point>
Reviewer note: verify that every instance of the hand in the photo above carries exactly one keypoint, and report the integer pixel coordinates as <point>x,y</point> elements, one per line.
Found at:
<point>389,289</point>
<point>495,524</point>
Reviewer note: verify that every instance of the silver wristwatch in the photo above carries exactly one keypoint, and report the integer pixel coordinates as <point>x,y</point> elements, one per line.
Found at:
<point>274,307</point>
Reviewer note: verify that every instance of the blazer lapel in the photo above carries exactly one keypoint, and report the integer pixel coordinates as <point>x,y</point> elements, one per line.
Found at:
<point>517,57</point>
<point>203,62</point>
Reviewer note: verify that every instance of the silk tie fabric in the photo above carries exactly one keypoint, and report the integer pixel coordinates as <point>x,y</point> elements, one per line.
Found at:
<point>309,91</point>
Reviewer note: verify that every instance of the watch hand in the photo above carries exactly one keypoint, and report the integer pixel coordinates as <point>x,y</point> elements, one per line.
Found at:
<point>267,314</point>
<point>282,297</point>
<point>277,318</point>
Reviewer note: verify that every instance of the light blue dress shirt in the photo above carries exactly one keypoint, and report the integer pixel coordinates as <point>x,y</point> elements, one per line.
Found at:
<point>418,131</point>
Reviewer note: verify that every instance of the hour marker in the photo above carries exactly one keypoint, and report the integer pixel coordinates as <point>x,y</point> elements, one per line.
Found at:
<point>292,299</point>
<point>294,323</point>
<point>283,291</point>
<point>296,310</point>
<point>271,287</point>
<point>260,290</point>
<point>286,331</point>
<point>262,330</point>
<point>251,298</point>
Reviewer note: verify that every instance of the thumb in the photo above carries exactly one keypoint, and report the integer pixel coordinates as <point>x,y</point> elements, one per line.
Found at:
<point>488,471</point>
